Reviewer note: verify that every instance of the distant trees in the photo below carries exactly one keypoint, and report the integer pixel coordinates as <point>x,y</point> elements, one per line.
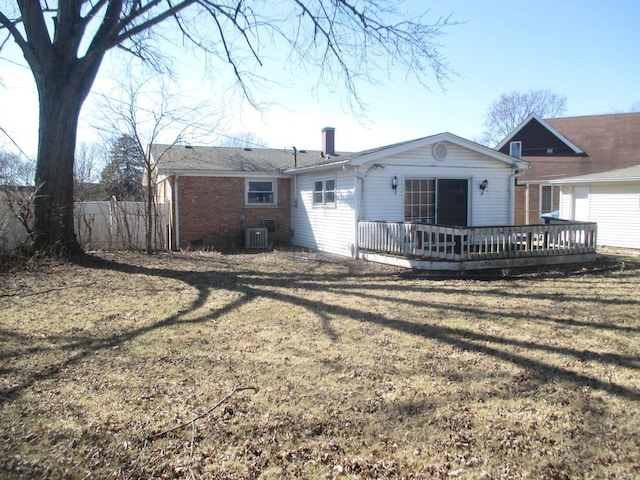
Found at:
<point>87,172</point>
<point>510,109</point>
<point>122,176</point>
<point>15,170</point>
<point>246,139</point>
<point>17,194</point>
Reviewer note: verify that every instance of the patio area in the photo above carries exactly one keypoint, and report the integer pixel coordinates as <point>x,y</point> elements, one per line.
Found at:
<point>436,247</point>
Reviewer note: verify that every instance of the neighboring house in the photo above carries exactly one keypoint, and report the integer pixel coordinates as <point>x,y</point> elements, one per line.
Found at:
<point>611,199</point>
<point>441,180</point>
<point>560,148</point>
<point>314,199</point>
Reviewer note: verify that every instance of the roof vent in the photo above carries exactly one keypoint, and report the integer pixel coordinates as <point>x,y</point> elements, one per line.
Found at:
<point>439,151</point>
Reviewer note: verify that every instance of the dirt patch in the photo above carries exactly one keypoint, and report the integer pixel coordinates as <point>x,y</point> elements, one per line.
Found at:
<point>360,370</point>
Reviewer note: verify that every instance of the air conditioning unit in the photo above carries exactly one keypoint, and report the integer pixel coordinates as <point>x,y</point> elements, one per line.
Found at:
<point>256,237</point>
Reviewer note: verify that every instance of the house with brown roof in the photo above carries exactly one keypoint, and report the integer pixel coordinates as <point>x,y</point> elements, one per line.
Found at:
<point>566,148</point>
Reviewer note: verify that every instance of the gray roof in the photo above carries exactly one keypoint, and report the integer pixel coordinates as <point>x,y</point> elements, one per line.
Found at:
<point>211,160</point>
<point>199,160</point>
<point>629,174</point>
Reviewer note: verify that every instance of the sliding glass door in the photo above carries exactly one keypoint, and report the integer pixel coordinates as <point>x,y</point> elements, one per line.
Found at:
<point>440,201</point>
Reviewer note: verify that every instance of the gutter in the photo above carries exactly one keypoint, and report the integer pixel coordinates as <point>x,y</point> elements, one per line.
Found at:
<point>576,181</point>
<point>359,180</point>
<point>316,167</point>
<point>229,173</point>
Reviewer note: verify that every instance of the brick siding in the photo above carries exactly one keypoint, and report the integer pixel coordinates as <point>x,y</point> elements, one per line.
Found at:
<point>520,210</point>
<point>210,211</point>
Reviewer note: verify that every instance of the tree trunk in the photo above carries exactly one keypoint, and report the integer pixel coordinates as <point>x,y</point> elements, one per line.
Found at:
<point>61,92</point>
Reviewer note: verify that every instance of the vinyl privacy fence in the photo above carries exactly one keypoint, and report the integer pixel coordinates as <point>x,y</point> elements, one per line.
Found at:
<point>110,225</point>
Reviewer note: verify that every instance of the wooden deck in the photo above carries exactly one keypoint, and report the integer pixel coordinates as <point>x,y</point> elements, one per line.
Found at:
<point>435,247</point>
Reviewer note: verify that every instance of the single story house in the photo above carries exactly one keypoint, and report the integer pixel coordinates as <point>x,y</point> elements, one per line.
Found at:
<point>437,180</point>
<point>224,197</point>
<point>611,199</point>
<point>562,148</point>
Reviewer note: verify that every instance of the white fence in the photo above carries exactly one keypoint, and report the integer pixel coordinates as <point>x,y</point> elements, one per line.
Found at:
<point>99,226</point>
<point>477,243</point>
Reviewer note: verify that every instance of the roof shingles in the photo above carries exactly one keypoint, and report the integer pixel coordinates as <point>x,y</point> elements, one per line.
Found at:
<point>179,158</point>
<point>610,142</point>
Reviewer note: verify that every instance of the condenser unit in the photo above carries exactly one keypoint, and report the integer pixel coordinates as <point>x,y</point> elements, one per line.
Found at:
<point>255,237</point>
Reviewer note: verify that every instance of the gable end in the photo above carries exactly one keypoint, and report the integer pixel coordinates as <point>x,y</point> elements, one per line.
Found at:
<point>538,141</point>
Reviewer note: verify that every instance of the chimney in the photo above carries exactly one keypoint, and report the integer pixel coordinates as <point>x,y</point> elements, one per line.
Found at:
<point>328,141</point>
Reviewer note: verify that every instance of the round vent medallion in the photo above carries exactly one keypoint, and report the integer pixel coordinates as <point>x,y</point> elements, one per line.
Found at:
<point>440,151</point>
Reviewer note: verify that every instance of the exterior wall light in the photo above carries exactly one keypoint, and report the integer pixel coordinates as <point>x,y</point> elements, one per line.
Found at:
<point>483,186</point>
<point>394,184</point>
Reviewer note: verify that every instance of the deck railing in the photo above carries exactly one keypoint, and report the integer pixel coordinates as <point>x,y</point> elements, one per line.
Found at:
<point>437,242</point>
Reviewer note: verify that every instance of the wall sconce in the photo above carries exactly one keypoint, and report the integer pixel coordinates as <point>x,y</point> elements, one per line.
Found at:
<point>483,186</point>
<point>394,184</point>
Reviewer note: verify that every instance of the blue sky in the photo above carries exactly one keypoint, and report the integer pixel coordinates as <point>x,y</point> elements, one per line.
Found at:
<point>587,50</point>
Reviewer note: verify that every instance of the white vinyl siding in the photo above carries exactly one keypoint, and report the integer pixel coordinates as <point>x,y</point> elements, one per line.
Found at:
<point>614,207</point>
<point>366,192</point>
<point>382,203</point>
<point>332,229</point>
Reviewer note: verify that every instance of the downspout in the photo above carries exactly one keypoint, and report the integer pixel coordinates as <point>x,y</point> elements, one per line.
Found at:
<point>359,179</point>
<point>176,210</point>
<point>527,203</point>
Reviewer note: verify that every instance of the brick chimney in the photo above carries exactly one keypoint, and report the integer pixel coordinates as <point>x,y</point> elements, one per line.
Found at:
<point>328,141</point>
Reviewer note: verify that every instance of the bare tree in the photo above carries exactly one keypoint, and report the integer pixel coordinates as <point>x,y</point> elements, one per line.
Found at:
<point>15,169</point>
<point>17,193</point>
<point>510,109</point>
<point>64,43</point>
<point>142,110</point>
<point>241,140</point>
<point>86,170</point>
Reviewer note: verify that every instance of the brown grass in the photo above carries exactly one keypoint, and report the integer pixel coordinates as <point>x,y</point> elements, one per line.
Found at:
<point>363,371</point>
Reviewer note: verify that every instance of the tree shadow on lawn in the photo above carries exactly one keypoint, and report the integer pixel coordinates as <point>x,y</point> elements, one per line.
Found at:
<point>252,284</point>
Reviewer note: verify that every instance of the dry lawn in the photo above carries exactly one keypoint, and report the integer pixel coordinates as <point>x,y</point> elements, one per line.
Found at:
<point>360,371</point>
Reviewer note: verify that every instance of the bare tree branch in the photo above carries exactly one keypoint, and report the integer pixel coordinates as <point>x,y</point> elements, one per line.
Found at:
<point>511,109</point>
<point>202,415</point>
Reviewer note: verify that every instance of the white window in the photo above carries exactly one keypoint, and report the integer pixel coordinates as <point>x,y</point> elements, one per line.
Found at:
<point>515,149</point>
<point>324,192</point>
<point>260,192</point>
<point>420,200</point>
<point>546,198</point>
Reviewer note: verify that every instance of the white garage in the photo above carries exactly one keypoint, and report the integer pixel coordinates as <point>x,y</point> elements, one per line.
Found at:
<point>611,199</point>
